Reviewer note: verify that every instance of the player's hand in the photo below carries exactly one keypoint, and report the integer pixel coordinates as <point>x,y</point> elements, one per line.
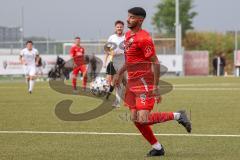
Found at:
<point>112,53</point>
<point>158,99</point>
<point>156,90</point>
<point>23,62</point>
<point>156,94</point>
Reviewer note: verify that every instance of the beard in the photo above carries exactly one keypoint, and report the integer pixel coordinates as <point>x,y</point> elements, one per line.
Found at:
<point>131,26</point>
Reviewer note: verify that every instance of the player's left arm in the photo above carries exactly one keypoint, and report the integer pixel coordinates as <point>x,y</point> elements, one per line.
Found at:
<point>85,57</point>
<point>156,70</point>
<point>37,57</point>
<point>148,49</point>
<point>72,55</point>
<point>21,59</point>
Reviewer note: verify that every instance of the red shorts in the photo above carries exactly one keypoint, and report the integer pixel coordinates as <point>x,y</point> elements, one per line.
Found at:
<point>81,68</point>
<point>139,94</point>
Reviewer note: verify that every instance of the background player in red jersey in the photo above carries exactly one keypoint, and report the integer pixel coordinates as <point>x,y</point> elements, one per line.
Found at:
<point>143,70</point>
<point>77,53</point>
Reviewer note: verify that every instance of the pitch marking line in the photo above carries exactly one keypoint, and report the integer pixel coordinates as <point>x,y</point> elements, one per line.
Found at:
<point>207,89</point>
<point>174,88</point>
<point>122,134</point>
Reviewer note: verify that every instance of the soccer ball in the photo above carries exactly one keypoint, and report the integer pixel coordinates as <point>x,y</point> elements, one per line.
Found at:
<point>99,87</point>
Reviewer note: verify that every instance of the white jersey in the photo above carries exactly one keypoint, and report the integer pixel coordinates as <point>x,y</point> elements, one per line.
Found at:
<point>118,59</point>
<point>118,41</point>
<point>29,56</point>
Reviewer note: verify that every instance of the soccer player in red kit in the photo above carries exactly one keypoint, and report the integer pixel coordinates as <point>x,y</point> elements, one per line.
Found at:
<point>142,91</point>
<point>77,53</point>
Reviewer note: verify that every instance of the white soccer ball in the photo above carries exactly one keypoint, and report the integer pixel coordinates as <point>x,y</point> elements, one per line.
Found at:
<point>99,87</point>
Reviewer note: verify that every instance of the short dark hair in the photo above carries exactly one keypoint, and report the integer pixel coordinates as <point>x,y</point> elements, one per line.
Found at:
<point>29,41</point>
<point>77,38</point>
<point>119,22</point>
<point>138,11</point>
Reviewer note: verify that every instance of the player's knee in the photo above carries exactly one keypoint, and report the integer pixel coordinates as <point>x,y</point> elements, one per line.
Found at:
<point>31,78</point>
<point>143,122</point>
<point>74,76</point>
<point>142,119</point>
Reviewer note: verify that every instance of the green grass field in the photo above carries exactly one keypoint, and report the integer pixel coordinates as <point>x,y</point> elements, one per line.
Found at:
<point>215,110</point>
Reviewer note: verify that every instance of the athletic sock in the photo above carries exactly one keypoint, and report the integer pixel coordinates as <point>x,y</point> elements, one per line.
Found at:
<point>176,115</point>
<point>31,84</point>
<point>159,117</point>
<point>118,94</point>
<point>157,146</point>
<point>147,133</point>
<point>111,88</point>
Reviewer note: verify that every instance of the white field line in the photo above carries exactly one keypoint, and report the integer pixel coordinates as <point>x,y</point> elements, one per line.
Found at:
<point>207,89</point>
<point>121,134</point>
<point>174,85</point>
<point>174,88</point>
<point>206,84</point>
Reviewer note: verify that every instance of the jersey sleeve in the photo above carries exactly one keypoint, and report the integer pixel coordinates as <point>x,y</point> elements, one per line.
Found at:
<point>109,39</point>
<point>147,47</point>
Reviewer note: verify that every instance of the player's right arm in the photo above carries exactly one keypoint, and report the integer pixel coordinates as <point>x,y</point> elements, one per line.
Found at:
<point>72,55</point>
<point>21,59</point>
<point>105,60</point>
<point>108,51</point>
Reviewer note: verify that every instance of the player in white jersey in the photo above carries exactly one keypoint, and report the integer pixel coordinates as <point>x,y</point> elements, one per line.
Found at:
<point>117,58</point>
<point>29,57</point>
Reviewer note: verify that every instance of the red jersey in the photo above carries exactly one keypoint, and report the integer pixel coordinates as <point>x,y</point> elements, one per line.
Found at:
<point>77,53</point>
<point>139,48</point>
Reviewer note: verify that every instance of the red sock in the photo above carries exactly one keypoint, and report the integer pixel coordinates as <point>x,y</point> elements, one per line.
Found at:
<point>84,83</point>
<point>74,83</point>
<point>146,132</point>
<point>159,117</point>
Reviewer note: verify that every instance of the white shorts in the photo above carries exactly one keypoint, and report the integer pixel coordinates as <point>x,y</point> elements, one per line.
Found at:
<point>39,70</point>
<point>118,61</point>
<point>29,70</point>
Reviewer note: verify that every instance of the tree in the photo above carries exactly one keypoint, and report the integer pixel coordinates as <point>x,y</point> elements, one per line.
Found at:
<point>164,18</point>
<point>214,42</point>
